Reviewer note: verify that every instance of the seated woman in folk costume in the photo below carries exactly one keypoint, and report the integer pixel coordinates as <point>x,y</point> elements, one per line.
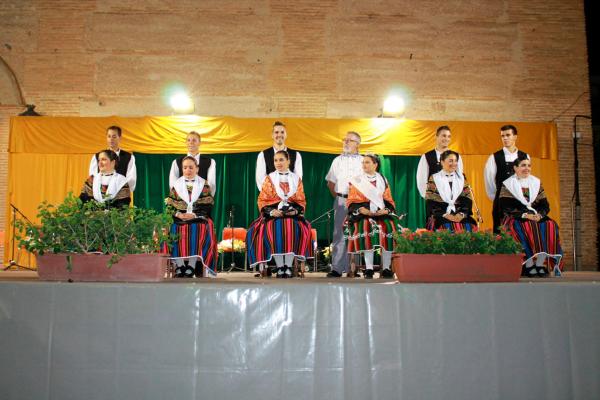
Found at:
<point>449,198</point>
<point>371,221</point>
<point>107,186</point>
<point>525,211</point>
<point>281,232</point>
<point>190,201</point>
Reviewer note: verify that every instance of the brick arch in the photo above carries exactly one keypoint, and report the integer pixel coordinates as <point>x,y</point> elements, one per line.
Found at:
<point>10,92</point>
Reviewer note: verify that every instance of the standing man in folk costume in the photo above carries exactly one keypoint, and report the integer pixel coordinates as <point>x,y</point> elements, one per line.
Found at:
<point>280,232</point>
<point>429,163</point>
<point>264,161</point>
<point>371,222</point>
<point>449,198</point>
<point>125,162</point>
<point>207,168</point>
<point>343,167</point>
<point>499,167</point>
<point>105,185</point>
<point>190,202</point>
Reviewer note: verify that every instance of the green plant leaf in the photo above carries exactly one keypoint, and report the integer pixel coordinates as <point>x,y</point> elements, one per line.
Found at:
<point>74,227</point>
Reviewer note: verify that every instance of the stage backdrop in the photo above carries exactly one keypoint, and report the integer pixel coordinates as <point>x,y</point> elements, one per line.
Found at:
<point>236,197</point>
<point>49,156</point>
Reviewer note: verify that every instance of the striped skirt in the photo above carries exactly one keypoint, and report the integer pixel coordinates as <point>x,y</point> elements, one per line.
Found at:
<point>370,233</point>
<point>467,225</point>
<point>535,237</point>
<point>267,237</point>
<point>196,239</point>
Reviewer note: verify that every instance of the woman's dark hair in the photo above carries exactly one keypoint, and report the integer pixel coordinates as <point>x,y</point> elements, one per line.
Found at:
<point>285,154</point>
<point>112,156</point>
<point>190,158</point>
<point>520,158</point>
<point>447,154</point>
<point>375,158</point>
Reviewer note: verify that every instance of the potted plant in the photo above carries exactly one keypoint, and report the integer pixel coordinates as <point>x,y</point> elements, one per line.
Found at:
<point>92,242</point>
<point>444,256</point>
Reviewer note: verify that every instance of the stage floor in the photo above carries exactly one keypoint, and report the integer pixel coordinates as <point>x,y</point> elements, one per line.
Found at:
<point>310,277</point>
<point>240,337</point>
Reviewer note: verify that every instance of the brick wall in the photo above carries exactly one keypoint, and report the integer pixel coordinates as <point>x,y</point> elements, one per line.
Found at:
<point>5,113</point>
<point>513,60</point>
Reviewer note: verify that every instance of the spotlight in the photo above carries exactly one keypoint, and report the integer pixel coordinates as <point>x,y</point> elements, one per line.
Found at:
<point>181,103</point>
<point>393,106</point>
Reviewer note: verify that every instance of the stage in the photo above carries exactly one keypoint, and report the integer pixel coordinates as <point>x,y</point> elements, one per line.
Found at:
<point>315,338</point>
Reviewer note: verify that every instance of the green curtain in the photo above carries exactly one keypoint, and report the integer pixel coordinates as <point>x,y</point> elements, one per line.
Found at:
<point>237,191</point>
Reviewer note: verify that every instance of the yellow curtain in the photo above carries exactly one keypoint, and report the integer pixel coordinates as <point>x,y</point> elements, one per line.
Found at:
<point>76,135</point>
<point>49,156</point>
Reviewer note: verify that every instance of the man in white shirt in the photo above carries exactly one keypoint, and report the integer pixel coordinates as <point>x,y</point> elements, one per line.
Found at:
<point>207,168</point>
<point>499,167</point>
<point>343,167</point>
<point>125,160</point>
<point>429,163</point>
<point>264,162</point>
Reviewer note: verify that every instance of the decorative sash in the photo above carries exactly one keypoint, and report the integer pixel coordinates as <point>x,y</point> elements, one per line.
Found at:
<point>513,184</point>
<point>180,187</point>
<point>115,183</point>
<point>373,193</point>
<point>449,195</point>
<point>293,181</point>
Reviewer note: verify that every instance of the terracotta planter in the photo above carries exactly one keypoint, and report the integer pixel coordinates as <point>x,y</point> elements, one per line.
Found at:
<point>457,267</point>
<point>92,268</point>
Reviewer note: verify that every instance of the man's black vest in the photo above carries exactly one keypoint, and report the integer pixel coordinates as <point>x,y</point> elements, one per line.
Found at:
<point>203,166</point>
<point>123,159</point>
<point>504,169</point>
<point>434,165</point>
<point>270,153</point>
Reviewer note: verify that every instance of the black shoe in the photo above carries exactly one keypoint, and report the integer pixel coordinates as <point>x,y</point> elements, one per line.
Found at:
<point>334,274</point>
<point>369,273</point>
<point>188,272</point>
<point>542,272</point>
<point>199,270</point>
<point>532,272</point>
<point>287,272</point>
<point>386,274</point>
<point>178,272</point>
<point>281,272</point>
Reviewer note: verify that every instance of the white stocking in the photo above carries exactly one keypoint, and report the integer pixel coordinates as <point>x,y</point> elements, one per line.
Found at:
<point>289,260</point>
<point>541,259</point>
<point>386,259</point>
<point>369,259</point>
<point>529,263</point>
<point>278,260</point>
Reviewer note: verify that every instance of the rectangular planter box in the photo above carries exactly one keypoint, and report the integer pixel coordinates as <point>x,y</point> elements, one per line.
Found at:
<point>431,268</point>
<point>92,268</point>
